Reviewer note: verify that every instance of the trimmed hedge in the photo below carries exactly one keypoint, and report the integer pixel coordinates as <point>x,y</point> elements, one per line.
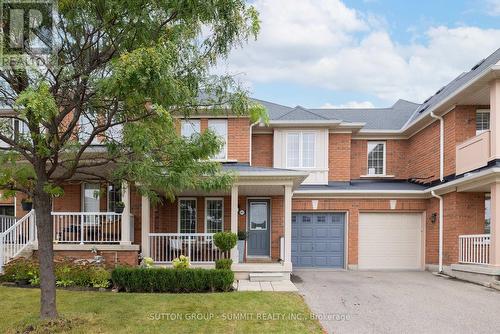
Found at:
<point>171,280</point>
<point>223,264</point>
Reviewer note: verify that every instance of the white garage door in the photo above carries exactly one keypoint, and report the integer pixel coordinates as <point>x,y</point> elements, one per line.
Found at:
<point>390,241</point>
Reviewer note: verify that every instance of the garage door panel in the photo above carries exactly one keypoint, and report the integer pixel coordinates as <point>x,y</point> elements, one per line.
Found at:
<point>318,239</point>
<point>389,241</point>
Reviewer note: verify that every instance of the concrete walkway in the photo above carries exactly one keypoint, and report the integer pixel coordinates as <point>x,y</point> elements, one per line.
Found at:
<point>246,285</point>
<point>398,302</point>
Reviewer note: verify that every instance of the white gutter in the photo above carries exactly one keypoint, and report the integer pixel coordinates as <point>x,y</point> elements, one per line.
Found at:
<point>441,144</point>
<point>441,217</point>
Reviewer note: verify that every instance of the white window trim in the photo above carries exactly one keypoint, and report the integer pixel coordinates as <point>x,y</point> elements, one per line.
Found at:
<point>82,202</point>
<point>206,208</point>
<point>301,144</point>
<point>482,111</point>
<point>384,172</point>
<point>179,212</point>
<point>223,120</point>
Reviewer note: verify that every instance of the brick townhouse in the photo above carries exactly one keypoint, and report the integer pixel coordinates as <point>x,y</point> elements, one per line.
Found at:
<point>413,186</point>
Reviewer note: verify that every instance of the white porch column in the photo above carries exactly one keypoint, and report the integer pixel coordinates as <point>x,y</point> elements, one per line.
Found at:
<point>495,118</point>
<point>288,225</point>
<point>234,220</point>
<point>145,225</point>
<point>126,215</point>
<point>495,225</point>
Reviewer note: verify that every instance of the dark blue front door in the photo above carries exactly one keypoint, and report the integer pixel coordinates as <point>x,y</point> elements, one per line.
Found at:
<point>259,227</point>
<point>318,240</point>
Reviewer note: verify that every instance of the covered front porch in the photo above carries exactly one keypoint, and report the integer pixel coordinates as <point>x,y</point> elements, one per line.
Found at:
<point>257,205</point>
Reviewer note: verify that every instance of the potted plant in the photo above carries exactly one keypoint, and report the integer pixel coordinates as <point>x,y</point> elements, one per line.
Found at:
<point>119,206</point>
<point>242,237</point>
<point>27,204</point>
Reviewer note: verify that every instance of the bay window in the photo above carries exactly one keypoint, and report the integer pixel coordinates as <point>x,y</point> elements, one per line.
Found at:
<point>300,149</point>
<point>482,121</point>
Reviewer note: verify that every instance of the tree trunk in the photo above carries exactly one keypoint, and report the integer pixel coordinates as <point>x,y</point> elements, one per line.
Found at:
<point>43,207</point>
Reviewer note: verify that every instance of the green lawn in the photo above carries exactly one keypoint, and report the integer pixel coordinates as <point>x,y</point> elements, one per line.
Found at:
<point>107,312</point>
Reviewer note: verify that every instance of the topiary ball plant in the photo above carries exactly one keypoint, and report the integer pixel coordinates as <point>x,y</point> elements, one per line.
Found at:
<point>225,241</point>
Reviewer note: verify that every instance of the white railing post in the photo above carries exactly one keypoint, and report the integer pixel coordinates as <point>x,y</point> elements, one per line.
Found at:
<point>82,218</point>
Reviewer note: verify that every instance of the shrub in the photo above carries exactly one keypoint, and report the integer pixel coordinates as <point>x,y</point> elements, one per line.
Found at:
<point>171,280</point>
<point>225,241</point>
<point>19,269</point>
<point>182,262</point>
<point>223,264</point>
<point>67,273</point>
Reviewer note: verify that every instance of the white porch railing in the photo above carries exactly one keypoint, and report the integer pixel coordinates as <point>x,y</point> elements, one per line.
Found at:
<point>474,249</point>
<point>6,222</point>
<point>199,247</point>
<point>87,227</point>
<point>16,238</point>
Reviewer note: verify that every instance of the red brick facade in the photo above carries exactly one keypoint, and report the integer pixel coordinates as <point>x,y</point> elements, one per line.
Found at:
<point>262,150</point>
<point>339,157</point>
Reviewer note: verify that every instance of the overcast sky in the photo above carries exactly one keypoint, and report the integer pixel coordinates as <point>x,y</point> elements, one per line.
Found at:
<point>363,53</point>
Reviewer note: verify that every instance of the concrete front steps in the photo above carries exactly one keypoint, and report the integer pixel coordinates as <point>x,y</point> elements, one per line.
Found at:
<point>266,277</point>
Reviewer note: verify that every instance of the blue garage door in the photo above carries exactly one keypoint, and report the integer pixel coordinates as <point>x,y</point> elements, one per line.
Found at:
<point>318,240</point>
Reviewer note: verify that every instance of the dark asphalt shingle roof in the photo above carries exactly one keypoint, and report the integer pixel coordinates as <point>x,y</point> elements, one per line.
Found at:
<point>360,185</point>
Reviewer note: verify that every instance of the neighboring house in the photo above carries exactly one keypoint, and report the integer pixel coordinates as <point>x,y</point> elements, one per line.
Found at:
<point>324,188</point>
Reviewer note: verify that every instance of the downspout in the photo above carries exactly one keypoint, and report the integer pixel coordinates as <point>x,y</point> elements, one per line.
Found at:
<point>441,215</point>
<point>441,145</point>
<point>250,153</point>
<point>441,178</point>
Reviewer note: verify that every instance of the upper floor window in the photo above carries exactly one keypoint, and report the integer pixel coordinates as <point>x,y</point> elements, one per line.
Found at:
<point>482,121</point>
<point>219,127</point>
<point>376,158</point>
<point>190,127</point>
<point>300,149</point>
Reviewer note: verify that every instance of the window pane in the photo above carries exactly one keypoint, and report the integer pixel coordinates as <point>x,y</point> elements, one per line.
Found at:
<point>187,217</point>
<point>308,141</point>
<point>375,158</point>
<point>482,121</point>
<point>292,150</point>
<point>219,126</point>
<point>190,127</point>
<point>114,196</point>
<point>214,215</point>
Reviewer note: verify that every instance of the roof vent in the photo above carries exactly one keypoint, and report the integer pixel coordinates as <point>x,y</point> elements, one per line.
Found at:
<point>477,65</point>
<point>423,109</point>
<point>440,90</point>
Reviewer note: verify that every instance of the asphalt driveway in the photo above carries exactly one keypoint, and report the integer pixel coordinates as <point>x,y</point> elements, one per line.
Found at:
<point>398,302</point>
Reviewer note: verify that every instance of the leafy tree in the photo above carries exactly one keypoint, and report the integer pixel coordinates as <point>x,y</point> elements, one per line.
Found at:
<point>122,71</point>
